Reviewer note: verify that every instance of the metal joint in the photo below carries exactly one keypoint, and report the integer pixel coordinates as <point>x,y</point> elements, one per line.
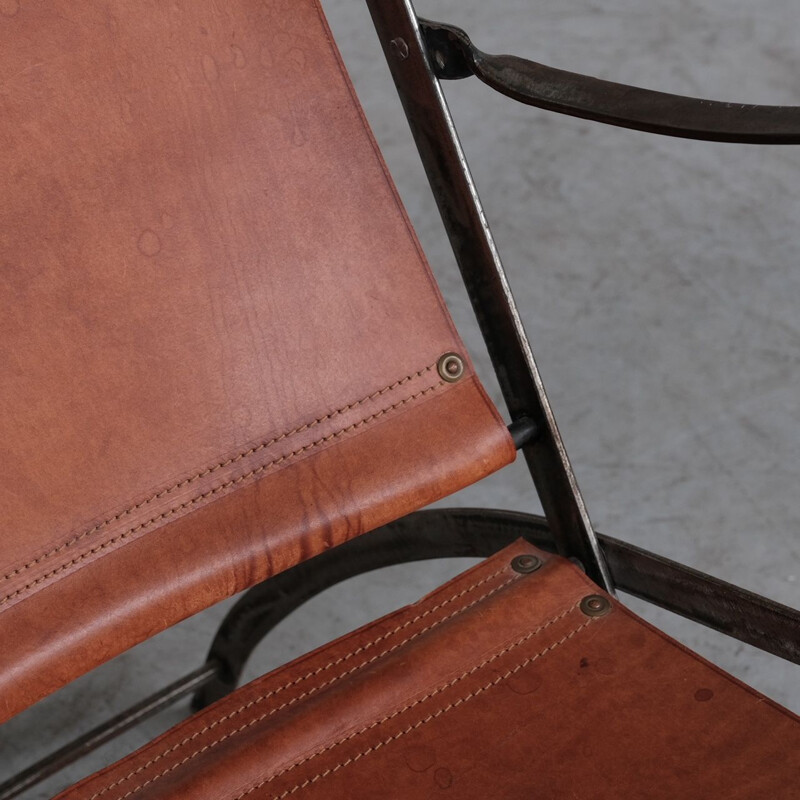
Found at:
<point>523,431</point>
<point>446,50</point>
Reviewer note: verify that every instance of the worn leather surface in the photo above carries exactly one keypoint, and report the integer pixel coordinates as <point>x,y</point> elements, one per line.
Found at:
<point>218,335</point>
<point>497,685</point>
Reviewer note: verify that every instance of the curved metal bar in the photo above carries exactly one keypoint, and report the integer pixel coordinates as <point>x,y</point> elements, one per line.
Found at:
<point>417,537</point>
<point>478,533</point>
<point>454,56</point>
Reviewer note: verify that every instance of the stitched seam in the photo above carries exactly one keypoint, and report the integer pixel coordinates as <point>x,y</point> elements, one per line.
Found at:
<point>307,693</point>
<point>216,490</point>
<point>498,679</point>
<point>421,722</point>
<point>210,470</point>
<point>352,735</point>
<point>310,691</point>
<point>323,668</point>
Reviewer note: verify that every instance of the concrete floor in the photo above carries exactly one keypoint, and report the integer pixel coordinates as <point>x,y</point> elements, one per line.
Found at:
<point>659,283</point>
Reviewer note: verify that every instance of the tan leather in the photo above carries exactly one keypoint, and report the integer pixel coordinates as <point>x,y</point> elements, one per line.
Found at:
<point>497,685</point>
<point>218,335</point>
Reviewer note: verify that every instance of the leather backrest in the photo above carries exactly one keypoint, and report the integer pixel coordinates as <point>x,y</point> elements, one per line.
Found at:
<point>219,337</point>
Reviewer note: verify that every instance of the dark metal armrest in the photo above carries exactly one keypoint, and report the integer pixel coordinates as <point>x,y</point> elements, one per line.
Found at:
<point>454,56</point>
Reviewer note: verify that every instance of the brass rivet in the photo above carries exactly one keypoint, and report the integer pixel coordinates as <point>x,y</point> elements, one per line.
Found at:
<point>451,367</point>
<point>595,605</point>
<point>525,564</point>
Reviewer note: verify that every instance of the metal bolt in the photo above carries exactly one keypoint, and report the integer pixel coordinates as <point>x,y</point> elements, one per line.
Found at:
<point>525,564</point>
<point>595,605</point>
<point>399,48</point>
<point>451,367</point>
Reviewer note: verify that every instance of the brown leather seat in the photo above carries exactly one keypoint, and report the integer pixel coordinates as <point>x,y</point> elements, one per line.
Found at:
<point>500,684</point>
<point>219,337</point>
<point>222,353</point>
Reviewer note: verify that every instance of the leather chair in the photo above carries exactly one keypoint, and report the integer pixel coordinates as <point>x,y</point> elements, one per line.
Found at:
<point>225,358</point>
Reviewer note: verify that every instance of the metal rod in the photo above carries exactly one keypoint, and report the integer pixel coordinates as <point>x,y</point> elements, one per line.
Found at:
<point>612,103</point>
<point>103,733</point>
<point>485,280</point>
<point>523,431</point>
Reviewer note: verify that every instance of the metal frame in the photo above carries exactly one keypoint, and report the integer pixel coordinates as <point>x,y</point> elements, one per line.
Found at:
<point>446,166</point>
<point>419,54</point>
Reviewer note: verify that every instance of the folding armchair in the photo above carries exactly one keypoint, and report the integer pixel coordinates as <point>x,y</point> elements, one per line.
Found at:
<point>226,366</point>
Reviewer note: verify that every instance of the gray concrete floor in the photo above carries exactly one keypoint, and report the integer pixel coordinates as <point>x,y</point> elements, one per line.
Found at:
<point>660,285</point>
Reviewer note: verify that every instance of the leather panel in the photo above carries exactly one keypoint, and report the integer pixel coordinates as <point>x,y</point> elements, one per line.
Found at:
<point>496,685</point>
<point>208,281</point>
<point>243,538</point>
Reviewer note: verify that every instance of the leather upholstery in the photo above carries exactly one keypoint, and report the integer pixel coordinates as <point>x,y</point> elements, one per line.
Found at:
<point>218,336</point>
<point>497,685</point>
